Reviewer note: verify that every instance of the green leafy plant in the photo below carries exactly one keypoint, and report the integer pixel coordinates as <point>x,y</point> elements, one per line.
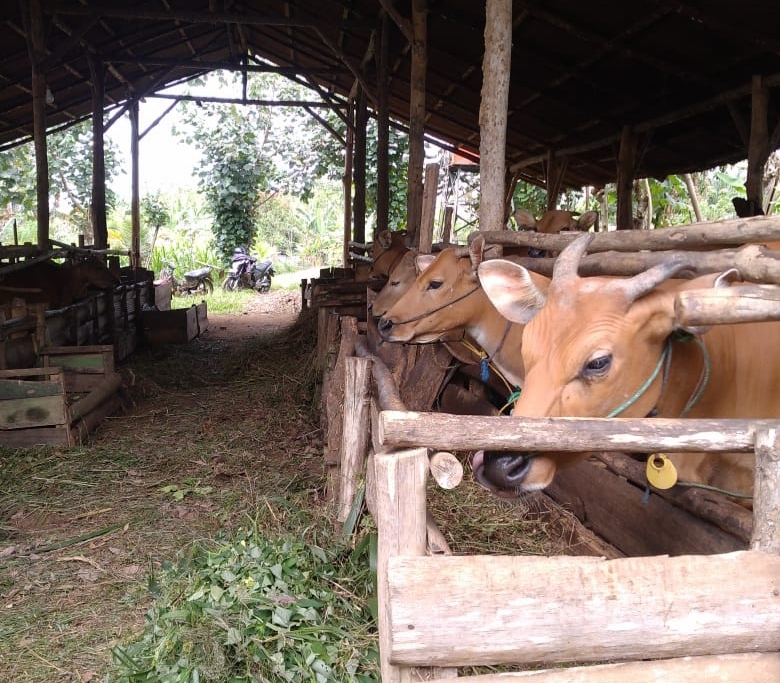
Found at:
<point>256,609</point>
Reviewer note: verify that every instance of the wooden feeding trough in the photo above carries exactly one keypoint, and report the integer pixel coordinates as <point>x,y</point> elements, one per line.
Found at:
<point>62,402</point>
<point>175,326</point>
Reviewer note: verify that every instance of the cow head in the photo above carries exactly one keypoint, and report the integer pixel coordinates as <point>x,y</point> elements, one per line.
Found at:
<point>587,348</point>
<point>553,222</point>
<point>399,281</point>
<point>442,299</point>
<point>386,251</point>
<point>94,273</point>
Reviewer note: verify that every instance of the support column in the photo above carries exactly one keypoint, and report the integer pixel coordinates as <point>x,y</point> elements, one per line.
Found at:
<point>493,113</point>
<point>383,131</point>
<point>359,206</point>
<point>758,146</point>
<point>347,178</point>
<point>417,118</point>
<point>135,204</point>
<point>37,48</point>
<point>98,208</point>
<point>626,166</point>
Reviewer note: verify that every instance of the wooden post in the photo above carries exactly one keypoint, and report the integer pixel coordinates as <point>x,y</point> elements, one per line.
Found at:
<point>347,178</point>
<point>135,204</point>
<point>430,191</point>
<point>355,430</point>
<point>383,130</point>
<point>493,112</point>
<point>555,171</point>
<point>766,493</point>
<point>625,178</point>
<point>359,205</point>
<point>37,48</point>
<point>446,232</point>
<point>758,147</point>
<point>417,118</point>
<point>98,209</point>
<point>399,477</point>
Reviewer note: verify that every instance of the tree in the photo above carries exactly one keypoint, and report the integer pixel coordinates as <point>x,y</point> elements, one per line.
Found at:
<point>70,182</point>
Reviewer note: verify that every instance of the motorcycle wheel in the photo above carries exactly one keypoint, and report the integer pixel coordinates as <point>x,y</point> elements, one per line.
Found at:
<point>230,284</point>
<point>264,285</point>
<point>208,285</point>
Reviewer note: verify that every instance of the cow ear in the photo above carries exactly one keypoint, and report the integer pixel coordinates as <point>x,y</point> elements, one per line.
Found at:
<point>423,261</point>
<point>511,289</point>
<point>476,252</point>
<point>586,220</point>
<point>525,220</point>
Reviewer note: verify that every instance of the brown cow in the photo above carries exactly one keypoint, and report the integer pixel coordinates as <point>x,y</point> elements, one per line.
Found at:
<point>386,251</point>
<point>54,284</point>
<point>592,344</point>
<point>446,302</point>
<point>551,223</point>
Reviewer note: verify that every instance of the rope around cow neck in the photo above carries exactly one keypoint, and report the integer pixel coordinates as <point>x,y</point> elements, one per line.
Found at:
<point>439,308</point>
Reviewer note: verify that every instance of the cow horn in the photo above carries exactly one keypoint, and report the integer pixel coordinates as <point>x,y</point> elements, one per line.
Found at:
<point>568,261</point>
<point>641,284</point>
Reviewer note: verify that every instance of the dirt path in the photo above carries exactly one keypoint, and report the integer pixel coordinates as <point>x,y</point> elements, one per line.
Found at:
<point>212,429</point>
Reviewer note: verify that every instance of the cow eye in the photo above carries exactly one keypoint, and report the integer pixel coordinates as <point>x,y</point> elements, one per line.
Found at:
<point>435,284</point>
<point>597,366</point>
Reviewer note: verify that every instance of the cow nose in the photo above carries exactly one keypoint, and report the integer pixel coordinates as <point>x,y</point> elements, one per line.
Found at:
<point>505,470</point>
<point>384,325</point>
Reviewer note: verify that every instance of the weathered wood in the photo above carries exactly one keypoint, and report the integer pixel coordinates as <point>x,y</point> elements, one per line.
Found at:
<point>572,434</point>
<point>566,609</point>
<point>387,390</point>
<point>417,104</point>
<point>709,506</point>
<point>766,496</point>
<point>755,263</point>
<point>334,393</point>
<point>108,386</point>
<point>737,668</point>
<point>354,435</point>
<point>614,509</point>
<point>724,305</point>
<point>562,522</point>
<point>709,234</point>
<point>446,469</point>
<point>427,216</point>
<point>401,524</point>
<point>496,66</point>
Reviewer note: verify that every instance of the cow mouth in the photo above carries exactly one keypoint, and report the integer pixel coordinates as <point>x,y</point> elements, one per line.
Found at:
<point>501,473</point>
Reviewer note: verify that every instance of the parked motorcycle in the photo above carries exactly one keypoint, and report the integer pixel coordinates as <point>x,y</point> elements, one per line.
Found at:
<point>247,273</point>
<point>198,281</point>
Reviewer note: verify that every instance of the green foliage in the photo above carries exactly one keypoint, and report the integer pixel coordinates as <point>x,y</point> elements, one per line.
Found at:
<point>255,609</point>
<point>398,154</point>
<point>154,209</point>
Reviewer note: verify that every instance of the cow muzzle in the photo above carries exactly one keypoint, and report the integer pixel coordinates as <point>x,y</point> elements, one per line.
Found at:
<point>385,326</point>
<point>502,473</point>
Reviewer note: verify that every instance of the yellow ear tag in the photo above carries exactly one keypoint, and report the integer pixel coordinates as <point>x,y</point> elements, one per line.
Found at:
<point>661,472</point>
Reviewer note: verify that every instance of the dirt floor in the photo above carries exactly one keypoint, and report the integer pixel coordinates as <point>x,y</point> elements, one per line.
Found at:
<point>215,431</point>
<point>211,429</point>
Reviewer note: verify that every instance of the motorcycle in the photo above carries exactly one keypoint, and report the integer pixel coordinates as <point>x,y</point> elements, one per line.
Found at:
<point>198,281</point>
<point>247,273</point>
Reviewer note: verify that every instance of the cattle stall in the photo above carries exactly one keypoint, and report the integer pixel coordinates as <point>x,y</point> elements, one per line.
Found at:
<point>653,592</point>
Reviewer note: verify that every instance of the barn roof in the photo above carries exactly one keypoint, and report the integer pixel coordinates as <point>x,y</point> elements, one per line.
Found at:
<point>678,72</point>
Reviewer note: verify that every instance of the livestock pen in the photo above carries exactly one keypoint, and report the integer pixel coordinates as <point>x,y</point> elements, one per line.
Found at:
<point>697,598</point>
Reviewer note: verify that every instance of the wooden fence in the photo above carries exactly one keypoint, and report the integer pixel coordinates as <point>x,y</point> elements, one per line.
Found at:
<point>713,617</point>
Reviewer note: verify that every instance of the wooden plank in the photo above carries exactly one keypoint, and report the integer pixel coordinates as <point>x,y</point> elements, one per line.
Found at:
<point>745,667</point>
<point>570,434</point>
<point>517,610</point>
<point>614,509</point>
<point>17,389</point>
<point>37,436</point>
<point>710,506</point>
<point>39,411</point>
<point>29,372</point>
